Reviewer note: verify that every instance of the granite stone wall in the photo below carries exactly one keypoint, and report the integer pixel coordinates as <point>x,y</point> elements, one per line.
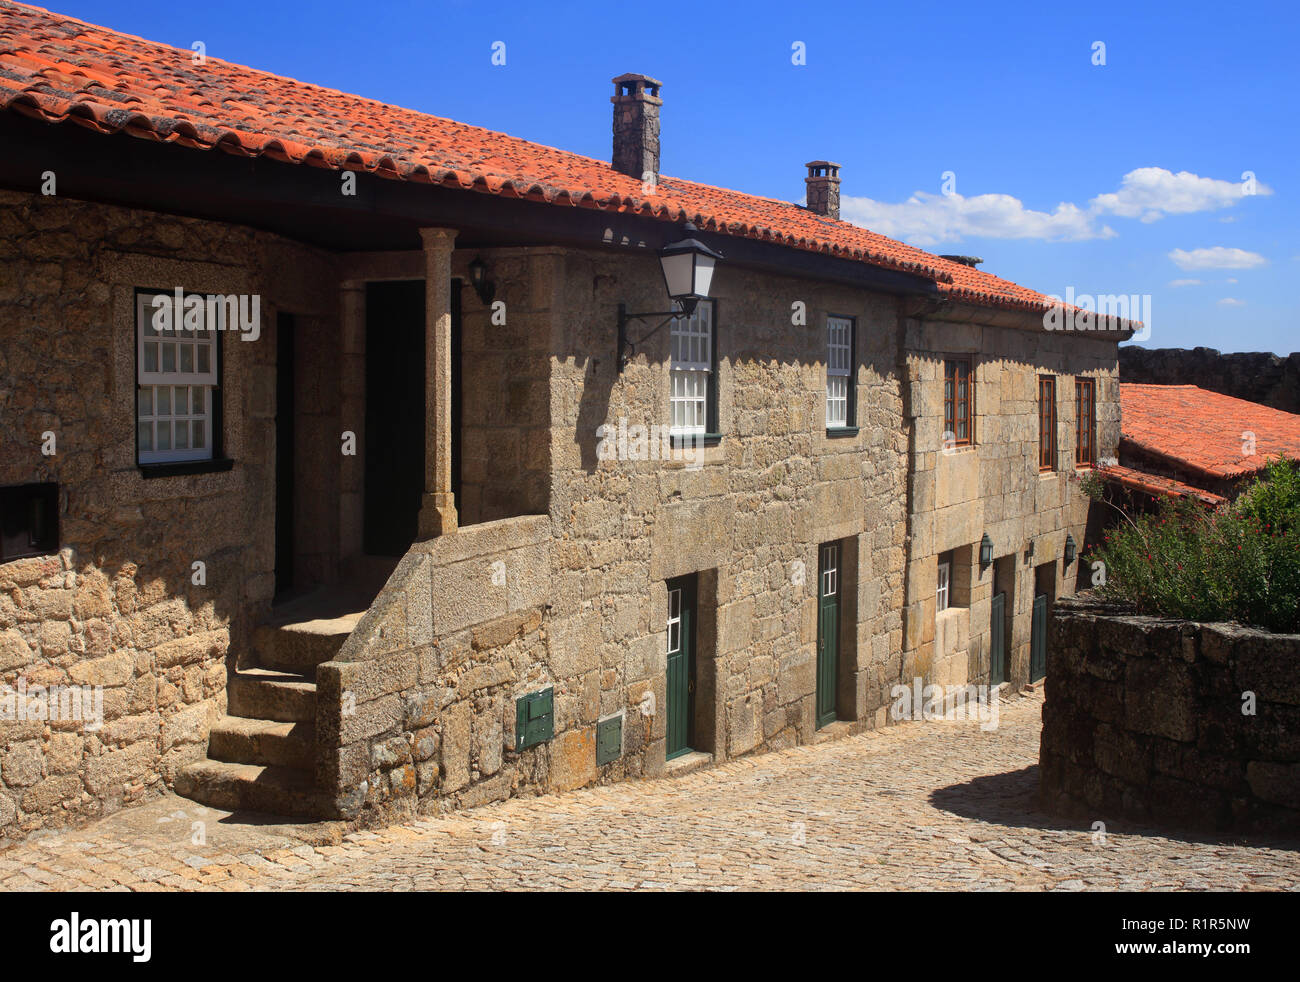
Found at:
<point>118,607</point>
<point>994,486</point>
<point>1172,722</point>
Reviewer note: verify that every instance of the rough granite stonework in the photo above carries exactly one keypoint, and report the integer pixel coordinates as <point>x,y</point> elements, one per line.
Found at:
<point>1148,719</point>
<point>1257,376</point>
<point>959,493</point>
<point>116,607</point>
<point>557,574</point>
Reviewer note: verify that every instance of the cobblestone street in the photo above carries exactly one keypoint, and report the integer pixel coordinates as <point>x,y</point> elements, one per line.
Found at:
<point>917,807</point>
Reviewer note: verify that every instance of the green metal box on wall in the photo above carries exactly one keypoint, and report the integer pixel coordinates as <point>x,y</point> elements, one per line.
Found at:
<point>609,739</point>
<point>535,718</point>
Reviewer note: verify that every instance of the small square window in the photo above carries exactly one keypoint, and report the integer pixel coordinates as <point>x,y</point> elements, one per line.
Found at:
<point>29,521</point>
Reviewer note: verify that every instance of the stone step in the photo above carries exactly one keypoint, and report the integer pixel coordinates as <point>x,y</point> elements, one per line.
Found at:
<point>299,646</point>
<point>250,787</point>
<point>239,740</point>
<point>259,693</point>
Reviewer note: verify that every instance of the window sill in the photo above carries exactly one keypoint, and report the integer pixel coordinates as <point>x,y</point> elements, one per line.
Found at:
<point>679,440</point>
<point>835,432</point>
<point>184,468</point>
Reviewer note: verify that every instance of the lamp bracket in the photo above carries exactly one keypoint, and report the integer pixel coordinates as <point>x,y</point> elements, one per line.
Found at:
<point>627,346</point>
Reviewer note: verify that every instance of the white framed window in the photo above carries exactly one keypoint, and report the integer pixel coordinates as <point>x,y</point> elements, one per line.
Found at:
<point>830,570</point>
<point>691,370</point>
<point>839,368</point>
<point>176,381</point>
<point>945,573</point>
<point>674,620</point>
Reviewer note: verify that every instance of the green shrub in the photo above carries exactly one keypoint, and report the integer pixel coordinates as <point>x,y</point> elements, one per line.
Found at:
<point>1241,563</point>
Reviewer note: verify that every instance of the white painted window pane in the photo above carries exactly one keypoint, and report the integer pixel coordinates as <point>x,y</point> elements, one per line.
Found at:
<point>173,406</point>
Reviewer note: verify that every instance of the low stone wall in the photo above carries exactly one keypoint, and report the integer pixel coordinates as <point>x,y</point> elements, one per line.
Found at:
<point>417,713</point>
<point>88,724</point>
<point>1169,721</point>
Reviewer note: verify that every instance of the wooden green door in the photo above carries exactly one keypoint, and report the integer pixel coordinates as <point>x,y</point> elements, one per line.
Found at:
<point>828,631</point>
<point>680,710</point>
<point>1038,643</point>
<point>998,640</point>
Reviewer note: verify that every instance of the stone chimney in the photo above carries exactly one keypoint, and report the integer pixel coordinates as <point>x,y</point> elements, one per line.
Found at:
<point>636,126</point>
<point>823,182</point>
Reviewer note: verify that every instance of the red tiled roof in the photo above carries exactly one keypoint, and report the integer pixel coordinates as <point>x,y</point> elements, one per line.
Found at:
<point>60,69</point>
<point>1205,430</point>
<point>1157,485</point>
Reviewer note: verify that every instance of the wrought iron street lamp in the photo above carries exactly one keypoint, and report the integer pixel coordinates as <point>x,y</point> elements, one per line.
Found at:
<point>688,266</point>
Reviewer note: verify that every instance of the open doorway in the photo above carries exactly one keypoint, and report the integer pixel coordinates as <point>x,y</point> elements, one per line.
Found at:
<point>393,447</point>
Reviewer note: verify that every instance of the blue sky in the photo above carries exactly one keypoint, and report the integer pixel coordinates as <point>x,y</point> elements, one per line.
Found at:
<point>1122,178</point>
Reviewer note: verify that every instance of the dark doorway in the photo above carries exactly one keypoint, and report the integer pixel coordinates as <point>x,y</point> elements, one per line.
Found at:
<point>285,375</point>
<point>1002,619</point>
<point>682,593</point>
<point>457,394</point>
<point>395,408</point>
<point>1044,598</point>
<point>828,631</point>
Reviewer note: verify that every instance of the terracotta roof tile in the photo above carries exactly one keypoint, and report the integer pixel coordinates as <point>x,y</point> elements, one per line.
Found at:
<point>1157,485</point>
<point>61,69</point>
<point>1205,430</point>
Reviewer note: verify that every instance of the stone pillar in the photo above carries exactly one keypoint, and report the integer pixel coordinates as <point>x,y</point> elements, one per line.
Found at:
<point>438,511</point>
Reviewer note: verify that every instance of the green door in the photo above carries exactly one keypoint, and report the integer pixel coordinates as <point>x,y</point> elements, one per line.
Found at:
<point>681,666</point>
<point>998,640</point>
<point>1038,645</point>
<point>828,631</point>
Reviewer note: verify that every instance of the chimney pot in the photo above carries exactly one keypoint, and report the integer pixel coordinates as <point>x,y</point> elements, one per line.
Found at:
<point>636,126</point>
<point>823,183</point>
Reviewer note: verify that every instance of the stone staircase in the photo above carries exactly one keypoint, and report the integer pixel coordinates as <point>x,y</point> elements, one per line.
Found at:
<point>262,753</point>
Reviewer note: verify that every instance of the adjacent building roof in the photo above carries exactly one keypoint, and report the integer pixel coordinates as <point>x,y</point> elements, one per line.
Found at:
<point>62,70</point>
<point>1205,431</point>
<point>1158,485</point>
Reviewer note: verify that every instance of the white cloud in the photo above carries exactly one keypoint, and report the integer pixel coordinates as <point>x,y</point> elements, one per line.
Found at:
<point>927,219</point>
<point>1147,193</point>
<point>1218,257</point>
<point>1184,282</point>
<point>1151,193</point>
<point>1232,279</point>
<point>1231,302</point>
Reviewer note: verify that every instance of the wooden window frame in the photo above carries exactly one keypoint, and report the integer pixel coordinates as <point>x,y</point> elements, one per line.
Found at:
<point>943,583</point>
<point>709,431</point>
<point>836,352</point>
<point>1046,423</point>
<point>952,375</point>
<point>1085,437</point>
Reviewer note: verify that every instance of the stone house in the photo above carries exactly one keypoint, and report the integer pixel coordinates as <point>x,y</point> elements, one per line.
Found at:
<point>393,522</point>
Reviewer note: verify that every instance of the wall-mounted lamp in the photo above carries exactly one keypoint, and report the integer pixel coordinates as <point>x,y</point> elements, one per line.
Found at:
<point>688,274</point>
<point>986,551</point>
<point>1069,549</point>
<point>1029,551</point>
<point>484,287</point>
